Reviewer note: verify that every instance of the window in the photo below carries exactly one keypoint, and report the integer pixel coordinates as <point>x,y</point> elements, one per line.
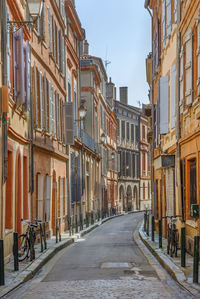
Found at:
<point>123,129</point>
<point>25,188</point>
<point>127,131</point>
<point>188,67</point>
<point>148,190</point>
<point>143,132</point>
<point>193,185</point>
<point>39,196</point>
<point>143,190</point>
<point>132,132</point>
<point>144,163</point>
<point>47,197</point>
<point>69,87</point>
<point>61,196</point>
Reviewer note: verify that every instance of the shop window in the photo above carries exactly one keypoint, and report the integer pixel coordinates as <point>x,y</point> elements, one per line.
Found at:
<point>193,185</point>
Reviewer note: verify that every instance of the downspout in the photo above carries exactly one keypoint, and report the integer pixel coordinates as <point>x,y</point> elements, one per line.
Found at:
<point>178,133</point>
<point>146,6</point>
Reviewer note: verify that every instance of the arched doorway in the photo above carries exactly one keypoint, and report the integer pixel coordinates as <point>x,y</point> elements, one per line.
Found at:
<point>122,198</point>
<point>136,198</point>
<point>129,198</point>
<point>18,195</point>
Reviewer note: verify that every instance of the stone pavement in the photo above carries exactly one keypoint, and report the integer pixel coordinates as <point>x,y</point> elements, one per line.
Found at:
<point>183,275</point>
<point>28,269</point>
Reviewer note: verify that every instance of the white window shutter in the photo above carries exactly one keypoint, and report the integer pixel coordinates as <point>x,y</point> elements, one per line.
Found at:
<point>35,95</point>
<point>40,197</point>
<point>188,67</point>
<point>169,16</point>
<point>61,197</point>
<point>50,29</point>
<point>8,57</point>
<point>66,196</point>
<point>173,95</point>
<point>181,79</point>
<point>69,123</point>
<point>45,103</point>
<point>57,116</point>
<point>163,23</point>
<point>164,104</point>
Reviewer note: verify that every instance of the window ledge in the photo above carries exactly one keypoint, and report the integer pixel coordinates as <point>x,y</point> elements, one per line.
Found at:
<point>8,231</point>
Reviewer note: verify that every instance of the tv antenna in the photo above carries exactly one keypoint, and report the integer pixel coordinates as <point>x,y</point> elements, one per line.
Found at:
<point>107,62</point>
<point>139,103</point>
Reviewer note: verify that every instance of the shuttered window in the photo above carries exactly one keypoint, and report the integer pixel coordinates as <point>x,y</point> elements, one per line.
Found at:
<point>66,196</point>
<point>47,197</point>
<point>175,11</point>
<point>132,133</point>
<point>163,105</point>
<point>193,184</point>
<point>163,23</point>
<point>53,111</point>
<point>181,79</point>
<point>127,131</point>
<point>42,20</point>
<point>15,64</point>
<point>54,37</point>
<point>188,67</point>
<point>198,58</point>
<point>73,182</point>
<point>169,16</point>
<point>78,183</point>
<point>50,107</point>
<point>118,128</point>
<point>123,129</point>
<point>69,87</point>
<point>45,104</point>
<point>41,99</point>
<point>27,76</point>
<point>40,183</point>
<point>35,94</point>
<point>133,165</point>
<point>61,121</point>
<point>21,69</point>
<point>50,30</point>
<point>69,123</point>
<point>57,116</point>
<point>173,95</point>
<point>8,56</point>
<point>61,196</point>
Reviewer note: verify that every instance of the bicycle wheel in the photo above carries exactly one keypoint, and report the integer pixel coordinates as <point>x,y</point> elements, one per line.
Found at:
<point>23,247</point>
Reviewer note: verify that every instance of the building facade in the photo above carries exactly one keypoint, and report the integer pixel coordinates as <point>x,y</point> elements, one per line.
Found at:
<point>128,146</point>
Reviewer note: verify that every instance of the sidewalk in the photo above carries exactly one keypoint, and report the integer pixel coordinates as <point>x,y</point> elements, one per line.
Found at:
<point>28,269</point>
<point>184,276</point>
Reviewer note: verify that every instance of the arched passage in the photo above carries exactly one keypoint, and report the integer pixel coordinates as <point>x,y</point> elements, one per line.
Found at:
<point>136,198</point>
<point>129,198</point>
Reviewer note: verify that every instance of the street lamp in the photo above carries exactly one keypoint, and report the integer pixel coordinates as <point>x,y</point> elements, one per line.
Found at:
<point>103,138</point>
<point>82,112</point>
<point>34,8</point>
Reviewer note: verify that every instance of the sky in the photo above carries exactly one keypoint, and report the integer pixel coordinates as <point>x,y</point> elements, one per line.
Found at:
<point>119,31</point>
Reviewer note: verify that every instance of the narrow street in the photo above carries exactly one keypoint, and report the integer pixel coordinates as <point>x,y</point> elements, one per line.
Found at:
<point>107,263</point>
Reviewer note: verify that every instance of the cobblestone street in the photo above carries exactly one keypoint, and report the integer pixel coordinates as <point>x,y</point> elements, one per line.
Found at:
<point>107,263</point>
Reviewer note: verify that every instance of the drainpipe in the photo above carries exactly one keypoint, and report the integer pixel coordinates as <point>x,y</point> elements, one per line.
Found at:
<point>146,6</point>
<point>178,133</point>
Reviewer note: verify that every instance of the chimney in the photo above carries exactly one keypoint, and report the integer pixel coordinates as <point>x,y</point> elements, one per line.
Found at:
<point>124,95</point>
<point>110,92</point>
<point>85,47</point>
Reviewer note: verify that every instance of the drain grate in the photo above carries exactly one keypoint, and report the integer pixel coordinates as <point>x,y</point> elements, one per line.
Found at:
<point>115,265</point>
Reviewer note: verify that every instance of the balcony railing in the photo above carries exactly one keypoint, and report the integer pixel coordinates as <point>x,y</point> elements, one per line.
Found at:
<point>87,140</point>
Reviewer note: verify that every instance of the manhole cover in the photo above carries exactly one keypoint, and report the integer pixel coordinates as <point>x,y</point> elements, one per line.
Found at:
<point>114,265</point>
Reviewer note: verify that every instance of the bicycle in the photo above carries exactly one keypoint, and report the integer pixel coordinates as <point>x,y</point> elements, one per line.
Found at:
<point>172,236</point>
<point>26,241</point>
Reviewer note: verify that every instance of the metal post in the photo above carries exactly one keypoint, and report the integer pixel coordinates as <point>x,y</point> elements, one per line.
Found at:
<point>2,276</point>
<point>41,241</point>
<point>56,230</point>
<point>147,224</point>
<point>59,229</point>
<point>15,251</point>
<point>44,235</point>
<point>196,259</point>
<point>160,232</point>
<point>152,228</point>
<point>183,251</point>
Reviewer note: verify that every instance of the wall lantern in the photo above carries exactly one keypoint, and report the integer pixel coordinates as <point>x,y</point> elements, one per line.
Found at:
<point>82,112</point>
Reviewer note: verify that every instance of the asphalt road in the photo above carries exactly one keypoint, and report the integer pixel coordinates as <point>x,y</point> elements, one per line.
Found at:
<point>107,263</point>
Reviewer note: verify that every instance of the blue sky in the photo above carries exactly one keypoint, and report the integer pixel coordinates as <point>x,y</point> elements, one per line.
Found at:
<point>120,30</point>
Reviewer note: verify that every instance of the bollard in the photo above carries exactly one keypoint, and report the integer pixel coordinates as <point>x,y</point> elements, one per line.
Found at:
<point>59,230</point>
<point>76,224</point>
<point>44,235</point>
<point>41,241</point>
<point>148,225</point>
<point>152,228</point>
<point>183,251</point>
<point>196,259</point>
<point>15,251</point>
<point>160,232</point>
<point>145,218</point>
<point>2,275</point>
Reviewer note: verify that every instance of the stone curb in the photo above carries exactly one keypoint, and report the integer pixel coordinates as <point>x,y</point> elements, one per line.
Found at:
<point>35,266</point>
<point>176,273</point>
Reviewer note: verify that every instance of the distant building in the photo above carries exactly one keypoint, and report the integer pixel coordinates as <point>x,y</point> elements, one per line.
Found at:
<point>128,146</point>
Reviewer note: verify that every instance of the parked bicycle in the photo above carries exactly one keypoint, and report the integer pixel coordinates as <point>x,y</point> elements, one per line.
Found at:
<point>172,236</point>
<point>26,241</point>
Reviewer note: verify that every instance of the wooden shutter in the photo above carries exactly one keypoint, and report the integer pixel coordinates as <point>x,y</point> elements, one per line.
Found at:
<point>41,100</point>
<point>163,23</point>
<point>69,123</point>
<point>181,79</point>
<point>73,182</point>
<point>61,120</point>
<point>47,197</point>
<point>61,51</point>
<point>15,65</point>
<point>173,95</point>
<point>45,103</point>
<point>50,30</point>
<point>57,116</point>
<point>53,111</point>
<point>35,95</point>
<point>66,196</point>
<point>188,67</point>
<point>78,180</point>
<point>40,184</point>
<point>54,38</point>
<point>169,16</point>
<point>50,108</point>
<point>164,105</point>
<point>28,76</point>
<point>175,11</point>
<point>8,55</point>
<point>58,46</point>
<point>21,66</point>
<point>43,22</point>
<point>198,58</point>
